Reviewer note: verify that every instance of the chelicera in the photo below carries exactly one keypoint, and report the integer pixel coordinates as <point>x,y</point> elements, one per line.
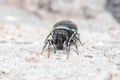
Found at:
<point>64,34</point>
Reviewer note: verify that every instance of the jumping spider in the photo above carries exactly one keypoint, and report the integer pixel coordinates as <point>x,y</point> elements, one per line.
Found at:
<point>63,35</point>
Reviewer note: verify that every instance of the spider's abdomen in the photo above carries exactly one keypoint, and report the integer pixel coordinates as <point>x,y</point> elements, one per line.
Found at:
<point>67,25</point>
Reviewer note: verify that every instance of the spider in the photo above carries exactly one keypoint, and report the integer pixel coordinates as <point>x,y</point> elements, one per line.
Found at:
<point>64,34</point>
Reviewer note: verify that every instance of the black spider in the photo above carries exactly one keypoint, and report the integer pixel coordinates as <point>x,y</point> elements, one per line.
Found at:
<point>63,35</point>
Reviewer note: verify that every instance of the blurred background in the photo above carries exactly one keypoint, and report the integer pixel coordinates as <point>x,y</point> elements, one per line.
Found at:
<point>52,11</point>
<point>24,25</point>
<point>55,9</point>
<point>65,9</point>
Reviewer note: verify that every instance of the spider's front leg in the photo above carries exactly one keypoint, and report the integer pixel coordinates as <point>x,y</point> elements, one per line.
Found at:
<point>75,43</point>
<point>68,44</point>
<point>78,38</point>
<point>68,51</point>
<point>49,49</point>
<point>46,43</point>
<point>44,47</point>
<point>49,43</point>
<point>55,50</point>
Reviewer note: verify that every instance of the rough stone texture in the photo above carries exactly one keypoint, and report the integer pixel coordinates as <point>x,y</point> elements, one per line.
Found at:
<point>22,34</point>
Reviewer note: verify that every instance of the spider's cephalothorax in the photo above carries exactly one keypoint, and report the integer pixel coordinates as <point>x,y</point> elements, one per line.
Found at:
<point>63,35</point>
